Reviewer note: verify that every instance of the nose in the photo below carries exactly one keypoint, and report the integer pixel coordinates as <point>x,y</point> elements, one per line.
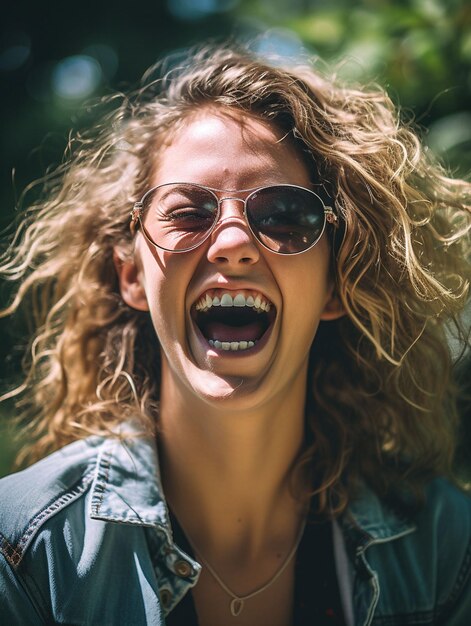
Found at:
<point>232,242</point>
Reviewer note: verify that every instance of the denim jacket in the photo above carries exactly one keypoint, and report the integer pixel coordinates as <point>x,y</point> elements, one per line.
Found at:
<point>85,539</point>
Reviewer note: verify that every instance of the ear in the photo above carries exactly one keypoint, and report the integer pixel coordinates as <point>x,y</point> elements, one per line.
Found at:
<point>130,281</point>
<point>333,309</point>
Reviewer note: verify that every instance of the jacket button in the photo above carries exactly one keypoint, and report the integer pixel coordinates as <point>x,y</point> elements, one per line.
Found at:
<point>183,568</point>
<point>165,597</point>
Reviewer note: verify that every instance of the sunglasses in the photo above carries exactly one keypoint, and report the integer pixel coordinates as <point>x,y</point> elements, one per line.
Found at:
<point>285,219</point>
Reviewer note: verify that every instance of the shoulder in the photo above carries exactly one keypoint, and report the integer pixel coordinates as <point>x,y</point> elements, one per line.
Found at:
<point>64,520</point>
<point>446,506</point>
<point>443,527</point>
<point>113,479</point>
<point>439,552</point>
<point>30,497</point>
<point>443,539</point>
<point>421,562</point>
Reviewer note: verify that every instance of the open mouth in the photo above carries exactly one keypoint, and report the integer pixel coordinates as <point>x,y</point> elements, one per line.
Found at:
<point>233,321</point>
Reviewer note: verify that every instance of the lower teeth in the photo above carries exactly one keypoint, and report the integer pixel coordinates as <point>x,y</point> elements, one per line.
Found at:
<point>231,345</point>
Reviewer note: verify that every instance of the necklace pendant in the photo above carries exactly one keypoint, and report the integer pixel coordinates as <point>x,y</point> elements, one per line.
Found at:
<point>237,604</point>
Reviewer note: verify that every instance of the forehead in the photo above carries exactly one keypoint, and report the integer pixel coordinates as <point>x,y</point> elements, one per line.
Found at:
<point>227,148</point>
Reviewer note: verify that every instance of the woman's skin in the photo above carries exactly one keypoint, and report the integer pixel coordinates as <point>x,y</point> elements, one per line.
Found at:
<point>231,423</point>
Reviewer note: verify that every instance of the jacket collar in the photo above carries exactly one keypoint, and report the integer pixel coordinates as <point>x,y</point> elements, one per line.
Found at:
<point>369,521</point>
<point>127,487</point>
<point>376,519</point>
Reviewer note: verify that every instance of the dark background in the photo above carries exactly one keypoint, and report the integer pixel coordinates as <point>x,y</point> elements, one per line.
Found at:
<point>55,57</point>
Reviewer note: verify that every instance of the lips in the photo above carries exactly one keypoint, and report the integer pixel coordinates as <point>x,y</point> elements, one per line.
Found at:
<point>233,321</point>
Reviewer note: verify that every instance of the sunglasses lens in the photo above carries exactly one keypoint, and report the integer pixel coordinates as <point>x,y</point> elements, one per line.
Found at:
<point>286,219</point>
<point>179,217</point>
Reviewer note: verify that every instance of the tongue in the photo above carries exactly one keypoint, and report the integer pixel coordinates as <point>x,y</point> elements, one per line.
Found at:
<point>224,332</point>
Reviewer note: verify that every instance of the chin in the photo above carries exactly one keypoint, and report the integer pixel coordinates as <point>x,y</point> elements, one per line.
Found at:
<point>227,391</point>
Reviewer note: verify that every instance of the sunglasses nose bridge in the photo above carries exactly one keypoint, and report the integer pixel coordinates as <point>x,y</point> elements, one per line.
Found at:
<point>234,215</point>
<point>237,214</point>
<point>231,199</point>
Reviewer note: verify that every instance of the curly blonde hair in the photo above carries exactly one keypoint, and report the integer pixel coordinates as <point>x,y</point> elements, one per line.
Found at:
<point>380,401</point>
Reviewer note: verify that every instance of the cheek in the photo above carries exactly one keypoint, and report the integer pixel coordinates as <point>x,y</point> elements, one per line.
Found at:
<point>166,277</point>
<point>307,291</point>
<point>156,278</point>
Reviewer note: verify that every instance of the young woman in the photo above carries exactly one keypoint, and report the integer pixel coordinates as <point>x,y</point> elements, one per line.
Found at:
<point>240,282</point>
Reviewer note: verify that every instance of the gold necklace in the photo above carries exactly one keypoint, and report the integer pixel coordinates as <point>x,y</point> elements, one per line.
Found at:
<point>238,602</point>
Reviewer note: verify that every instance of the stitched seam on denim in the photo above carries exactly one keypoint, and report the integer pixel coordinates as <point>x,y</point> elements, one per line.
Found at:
<point>371,579</point>
<point>141,521</point>
<point>9,551</point>
<point>102,482</point>
<point>464,573</point>
<point>14,554</point>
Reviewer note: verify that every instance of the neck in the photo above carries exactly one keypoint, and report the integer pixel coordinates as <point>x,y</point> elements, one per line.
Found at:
<point>227,473</point>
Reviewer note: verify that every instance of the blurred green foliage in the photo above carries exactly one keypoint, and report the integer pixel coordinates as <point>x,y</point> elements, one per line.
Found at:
<point>420,50</point>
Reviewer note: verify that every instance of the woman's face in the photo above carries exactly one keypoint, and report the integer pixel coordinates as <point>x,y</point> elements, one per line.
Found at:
<point>231,151</point>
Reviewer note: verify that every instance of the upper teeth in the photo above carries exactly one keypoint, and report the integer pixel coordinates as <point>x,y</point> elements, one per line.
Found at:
<point>257,301</point>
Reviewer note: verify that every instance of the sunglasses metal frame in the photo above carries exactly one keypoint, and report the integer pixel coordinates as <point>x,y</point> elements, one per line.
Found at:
<point>136,214</point>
